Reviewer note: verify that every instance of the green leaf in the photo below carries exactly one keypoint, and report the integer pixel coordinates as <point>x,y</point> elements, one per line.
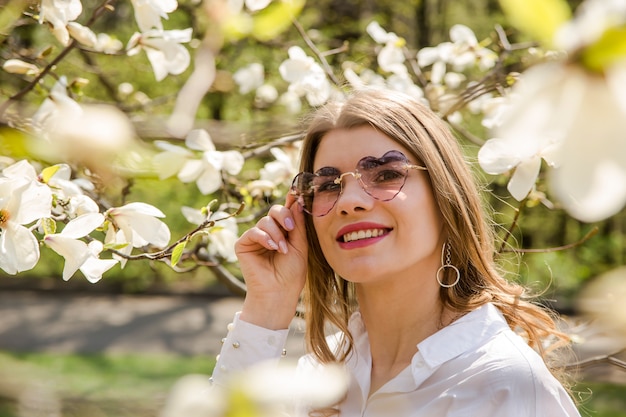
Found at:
<point>275,19</point>
<point>177,253</point>
<point>49,226</point>
<point>539,19</point>
<point>606,51</point>
<point>114,246</point>
<point>49,172</point>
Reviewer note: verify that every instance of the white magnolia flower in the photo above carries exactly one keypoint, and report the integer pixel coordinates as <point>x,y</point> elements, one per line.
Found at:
<point>206,171</point>
<point>93,268</point>
<point>140,225</point>
<point>310,386</point>
<point>93,133</point>
<point>58,101</point>
<point>265,94</point>
<point>586,112</point>
<point>523,155</point>
<point>196,216</point>
<point>256,5</point>
<point>23,201</point>
<point>101,42</point>
<point>59,13</point>
<point>148,13</point>
<point>291,101</point>
<point>82,34</point>
<point>68,243</point>
<point>223,236</point>
<point>107,44</point>
<point>306,77</point>
<point>164,50</point>
<point>281,169</point>
<point>70,193</point>
<point>461,53</point>
<point>391,57</point>
<point>16,66</point>
<point>249,78</point>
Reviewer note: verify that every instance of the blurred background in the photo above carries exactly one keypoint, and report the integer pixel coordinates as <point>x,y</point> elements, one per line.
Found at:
<point>116,347</point>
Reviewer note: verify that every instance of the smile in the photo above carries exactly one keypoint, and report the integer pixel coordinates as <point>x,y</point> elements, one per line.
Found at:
<point>362,234</point>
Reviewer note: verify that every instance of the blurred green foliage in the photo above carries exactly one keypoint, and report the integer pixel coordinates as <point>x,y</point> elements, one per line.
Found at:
<point>236,121</point>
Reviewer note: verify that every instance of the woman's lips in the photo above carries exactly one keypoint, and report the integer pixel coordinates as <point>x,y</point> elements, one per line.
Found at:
<point>361,234</point>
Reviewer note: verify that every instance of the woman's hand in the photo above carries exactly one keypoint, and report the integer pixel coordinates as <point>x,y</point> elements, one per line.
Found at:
<point>273,259</point>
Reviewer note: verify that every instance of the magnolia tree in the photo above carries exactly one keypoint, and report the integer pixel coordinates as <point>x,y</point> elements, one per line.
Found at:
<point>555,123</point>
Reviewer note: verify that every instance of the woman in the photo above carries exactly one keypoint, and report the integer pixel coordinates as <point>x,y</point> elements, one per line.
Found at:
<point>388,241</point>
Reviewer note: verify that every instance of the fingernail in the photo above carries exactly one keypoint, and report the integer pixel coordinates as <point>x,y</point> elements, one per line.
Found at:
<point>283,246</point>
<point>289,223</point>
<point>272,244</point>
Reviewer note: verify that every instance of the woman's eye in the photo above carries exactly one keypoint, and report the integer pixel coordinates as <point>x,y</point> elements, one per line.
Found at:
<point>327,186</point>
<point>388,175</point>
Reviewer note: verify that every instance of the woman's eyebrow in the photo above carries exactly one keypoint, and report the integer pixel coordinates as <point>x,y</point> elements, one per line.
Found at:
<point>327,171</point>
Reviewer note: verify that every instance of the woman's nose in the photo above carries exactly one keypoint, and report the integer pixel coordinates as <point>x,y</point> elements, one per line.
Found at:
<point>352,197</point>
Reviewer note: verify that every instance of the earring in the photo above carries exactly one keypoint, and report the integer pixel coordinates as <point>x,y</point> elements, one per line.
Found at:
<point>447,264</point>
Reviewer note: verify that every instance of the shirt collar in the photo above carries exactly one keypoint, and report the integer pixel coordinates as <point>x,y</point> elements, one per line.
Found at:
<point>463,335</point>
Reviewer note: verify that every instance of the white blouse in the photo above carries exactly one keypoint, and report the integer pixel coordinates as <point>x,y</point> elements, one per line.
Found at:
<point>476,366</point>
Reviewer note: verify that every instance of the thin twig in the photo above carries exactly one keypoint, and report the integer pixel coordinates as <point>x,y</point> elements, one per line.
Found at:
<point>320,56</point>
<point>588,236</point>
<point>276,142</point>
<point>509,231</point>
<point>611,359</point>
<point>54,62</point>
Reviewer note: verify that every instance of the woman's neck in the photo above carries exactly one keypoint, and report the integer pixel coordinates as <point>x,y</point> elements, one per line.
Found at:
<point>397,318</point>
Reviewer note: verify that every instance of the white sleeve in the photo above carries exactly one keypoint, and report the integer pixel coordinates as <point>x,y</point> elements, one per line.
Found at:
<point>247,345</point>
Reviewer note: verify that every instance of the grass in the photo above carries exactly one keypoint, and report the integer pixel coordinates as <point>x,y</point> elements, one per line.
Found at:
<point>92,385</point>
<point>137,385</point>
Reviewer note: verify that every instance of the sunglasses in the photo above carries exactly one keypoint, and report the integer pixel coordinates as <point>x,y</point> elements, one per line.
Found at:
<point>381,178</point>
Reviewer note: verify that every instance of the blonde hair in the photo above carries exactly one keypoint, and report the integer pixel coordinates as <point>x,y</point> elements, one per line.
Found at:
<point>329,299</point>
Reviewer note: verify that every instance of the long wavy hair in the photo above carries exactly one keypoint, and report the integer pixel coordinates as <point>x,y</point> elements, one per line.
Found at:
<point>330,300</point>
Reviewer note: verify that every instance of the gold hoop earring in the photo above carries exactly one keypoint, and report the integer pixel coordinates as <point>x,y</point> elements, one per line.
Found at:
<point>447,264</point>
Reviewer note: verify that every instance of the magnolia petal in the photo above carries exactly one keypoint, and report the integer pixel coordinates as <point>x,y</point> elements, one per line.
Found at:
<point>256,5</point>
<point>495,157</point>
<point>377,33</point>
<point>524,178</point>
<point>199,140</point>
<point>74,251</point>
<point>191,170</point>
<point>193,215</point>
<point>94,268</point>
<point>233,162</point>
<point>19,249</point>
<point>83,225</point>
<point>590,180</point>
<point>319,386</point>
<point>463,34</point>
<point>35,202</point>
<point>427,56</point>
<point>169,164</point>
<point>139,208</point>
<point>82,34</point>
<point>150,230</point>
<point>602,195</point>
<point>167,57</point>
<point>391,59</point>
<point>20,169</point>
<point>210,181</point>
<point>293,70</point>
<point>146,16</point>
<point>223,244</point>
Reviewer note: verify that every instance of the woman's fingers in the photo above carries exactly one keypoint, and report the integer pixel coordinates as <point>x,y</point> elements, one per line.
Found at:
<point>271,231</point>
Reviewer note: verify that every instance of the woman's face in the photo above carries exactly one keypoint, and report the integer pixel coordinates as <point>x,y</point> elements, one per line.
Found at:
<point>402,237</point>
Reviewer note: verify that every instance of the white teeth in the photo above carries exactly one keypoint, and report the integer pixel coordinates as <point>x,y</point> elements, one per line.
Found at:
<point>362,234</point>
